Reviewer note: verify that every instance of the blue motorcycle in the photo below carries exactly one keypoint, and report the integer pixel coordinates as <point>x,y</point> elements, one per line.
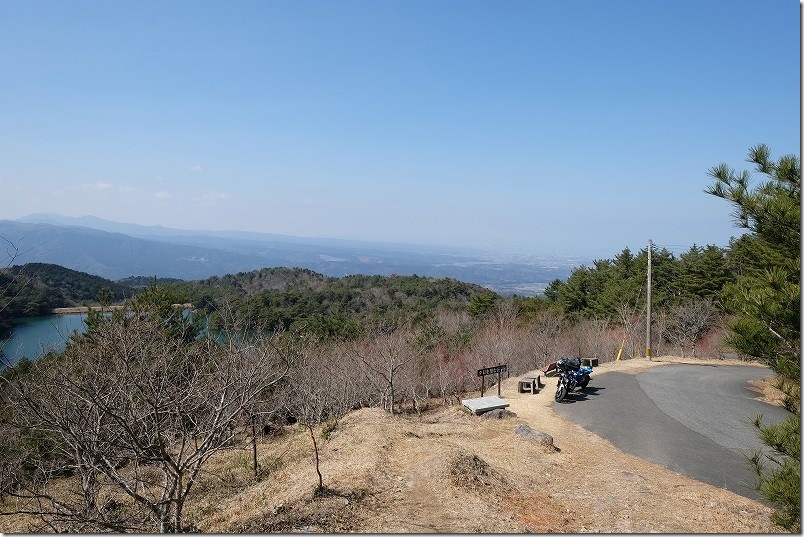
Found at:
<point>571,375</point>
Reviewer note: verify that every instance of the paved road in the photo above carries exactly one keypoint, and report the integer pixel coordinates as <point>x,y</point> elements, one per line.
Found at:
<point>693,419</point>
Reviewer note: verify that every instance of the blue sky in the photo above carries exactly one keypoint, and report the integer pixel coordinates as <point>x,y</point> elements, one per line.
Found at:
<point>576,127</point>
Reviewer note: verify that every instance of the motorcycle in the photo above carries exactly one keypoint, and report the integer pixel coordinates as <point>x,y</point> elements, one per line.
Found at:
<point>571,375</point>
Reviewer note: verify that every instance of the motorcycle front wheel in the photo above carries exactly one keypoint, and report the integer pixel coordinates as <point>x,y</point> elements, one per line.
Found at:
<point>561,392</point>
<point>584,384</point>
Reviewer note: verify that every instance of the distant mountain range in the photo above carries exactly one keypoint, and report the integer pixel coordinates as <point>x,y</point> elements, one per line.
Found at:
<point>116,250</point>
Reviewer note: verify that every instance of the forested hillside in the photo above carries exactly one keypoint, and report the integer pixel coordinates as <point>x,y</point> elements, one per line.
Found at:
<point>36,288</point>
<point>270,297</point>
<point>611,291</point>
<point>612,287</point>
<point>331,307</point>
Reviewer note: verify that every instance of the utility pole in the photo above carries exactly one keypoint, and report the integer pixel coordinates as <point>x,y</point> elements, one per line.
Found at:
<point>647,337</point>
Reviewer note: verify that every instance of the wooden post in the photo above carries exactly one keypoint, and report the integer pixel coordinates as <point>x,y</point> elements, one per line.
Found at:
<point>254,445</point>
<point>647,321</point>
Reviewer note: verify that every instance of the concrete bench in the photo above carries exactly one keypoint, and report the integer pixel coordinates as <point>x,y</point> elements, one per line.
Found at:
<point>530,384</point>
<point>480,405</point>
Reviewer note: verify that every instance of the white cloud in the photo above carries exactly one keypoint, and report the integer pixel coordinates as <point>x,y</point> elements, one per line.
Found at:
<point>126,189</point>
<point>196,168</point>
<point>95,187</point>
<point>162,195</point>
<point>211,198</point>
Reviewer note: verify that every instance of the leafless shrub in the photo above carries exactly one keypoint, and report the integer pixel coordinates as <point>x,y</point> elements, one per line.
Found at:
<point>545,330</point>
<point>589,337</point>
<point>688,321</point>
<point>319,390</point>
<point>387,348</point>
<point>133,413</point>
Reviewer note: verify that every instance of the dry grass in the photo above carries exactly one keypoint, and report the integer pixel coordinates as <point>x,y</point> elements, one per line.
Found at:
<point>448,471</point>
<point>472,472</point>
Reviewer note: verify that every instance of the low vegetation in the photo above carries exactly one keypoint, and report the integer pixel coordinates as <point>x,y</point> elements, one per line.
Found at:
<point>114,433</point>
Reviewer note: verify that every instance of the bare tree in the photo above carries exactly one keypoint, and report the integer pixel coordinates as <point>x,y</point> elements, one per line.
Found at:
<point>495,341</point>
<point>11,252</point>
<point>441,369</point>
<point>11,285</point>
<point>444,371</point>
<point>504,322</point>
<point>319,393</point>
<point>546,327</point>
<point>632,325</point>
<point>419,380</point>
<point>659,330</point>
<point>689,321</point>
<point>132,412</point>
<point>349,386</point>
<point>389,348</point>
<point>589,337</point>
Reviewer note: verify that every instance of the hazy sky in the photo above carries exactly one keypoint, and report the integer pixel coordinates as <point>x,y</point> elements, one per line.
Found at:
<point>578,127</point>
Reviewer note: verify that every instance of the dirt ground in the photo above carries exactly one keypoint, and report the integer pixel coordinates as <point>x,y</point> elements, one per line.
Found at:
<point>449,471</point>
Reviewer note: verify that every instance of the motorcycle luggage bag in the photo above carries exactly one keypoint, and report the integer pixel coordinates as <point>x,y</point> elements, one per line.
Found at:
<point>569,364</point>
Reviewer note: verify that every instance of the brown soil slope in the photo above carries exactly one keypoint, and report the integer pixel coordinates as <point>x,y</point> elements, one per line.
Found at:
<point>448,471</point>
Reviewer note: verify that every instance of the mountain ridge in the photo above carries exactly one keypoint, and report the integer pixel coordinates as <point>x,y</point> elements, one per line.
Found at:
<point>193,255</point>
<point>161,232</point>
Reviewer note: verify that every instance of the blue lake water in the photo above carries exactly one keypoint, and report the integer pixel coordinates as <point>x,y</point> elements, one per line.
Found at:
<point>36,335</point>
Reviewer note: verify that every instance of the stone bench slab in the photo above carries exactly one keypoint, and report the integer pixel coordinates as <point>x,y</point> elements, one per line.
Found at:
<point>479,405</point>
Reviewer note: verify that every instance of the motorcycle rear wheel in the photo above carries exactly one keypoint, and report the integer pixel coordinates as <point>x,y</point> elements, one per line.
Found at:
<point>561,392</point>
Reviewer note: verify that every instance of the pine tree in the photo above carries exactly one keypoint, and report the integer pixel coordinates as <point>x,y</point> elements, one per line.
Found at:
<point>765,299</point>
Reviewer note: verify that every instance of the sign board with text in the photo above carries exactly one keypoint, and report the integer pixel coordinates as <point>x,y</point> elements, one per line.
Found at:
<point>491,370</point>
<point>498,369</point>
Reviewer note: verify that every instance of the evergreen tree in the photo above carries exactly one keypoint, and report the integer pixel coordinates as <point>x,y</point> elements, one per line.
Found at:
<point>702,272</point>
<point>573,296</point>
<point>664,276</point>
<point>765,299</point>
<point>479,305</point>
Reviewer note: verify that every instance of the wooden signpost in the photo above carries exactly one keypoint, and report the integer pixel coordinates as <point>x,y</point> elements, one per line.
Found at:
<point>499,369</point>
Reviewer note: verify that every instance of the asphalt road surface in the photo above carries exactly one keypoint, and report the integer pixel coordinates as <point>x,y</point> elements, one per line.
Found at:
<point>693,419</point>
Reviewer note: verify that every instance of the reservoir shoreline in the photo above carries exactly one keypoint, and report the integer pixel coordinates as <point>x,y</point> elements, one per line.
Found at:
<point>85,309</point>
